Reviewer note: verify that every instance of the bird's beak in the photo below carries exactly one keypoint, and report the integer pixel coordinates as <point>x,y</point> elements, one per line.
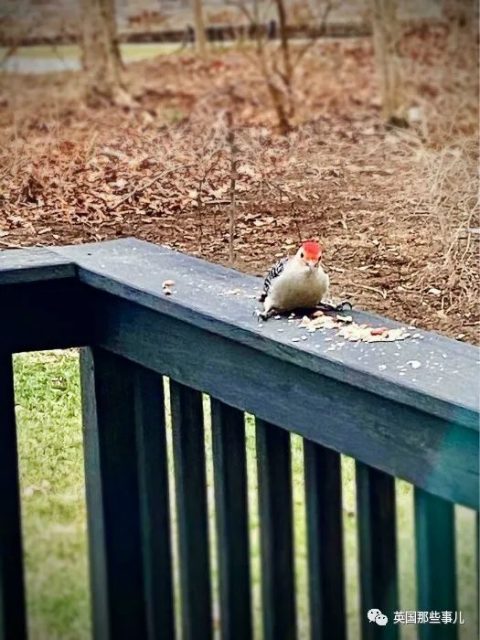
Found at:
<point>312,265</point>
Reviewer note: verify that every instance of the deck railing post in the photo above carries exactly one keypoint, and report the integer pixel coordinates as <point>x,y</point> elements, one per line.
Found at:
<point>323,498</point>
<point>377,545</point>
<point>231,502</point>
<point>13,624</point>
<point>436,574</point>
<point>190,485</point>
<point>276,531</point>
<point>154,503</point>
<point>123,483</point>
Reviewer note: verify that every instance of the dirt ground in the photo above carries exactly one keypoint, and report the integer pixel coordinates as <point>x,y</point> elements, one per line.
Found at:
<point>396,209</point>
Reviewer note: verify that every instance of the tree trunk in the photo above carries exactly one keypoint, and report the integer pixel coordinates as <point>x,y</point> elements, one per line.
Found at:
<point>386,33</point>
<point>287,74</point>
<point>101,59</point>
<point>200,38</point>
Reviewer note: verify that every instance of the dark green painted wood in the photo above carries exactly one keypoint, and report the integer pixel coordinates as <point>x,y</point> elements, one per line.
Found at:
<point>276,531</point>
<point>210,342</point>
<point>442,454</point>
<point>377,550</point>
<point>190,484</point>
<point>477,565</point>
<point>229,467</point>
<point>154,503</point>
<point>33,265</point>
<point>115,539</point>
<point>323,497</point>
<point>437,455</point>
<point>135,271</point>
<point>435,548</point>
<point>45,315</point>
<point>12,590</point>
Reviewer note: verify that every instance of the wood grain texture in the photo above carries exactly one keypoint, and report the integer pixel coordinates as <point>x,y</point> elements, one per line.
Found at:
<point>436,565</point>
<point>442,386</point>
<point>276,531</point>
<point>13,625</point>
<point>323,499</point>
<point>437,455</point>
<point>230,476</point>
<point>377,546</point>
<point>190,485</point>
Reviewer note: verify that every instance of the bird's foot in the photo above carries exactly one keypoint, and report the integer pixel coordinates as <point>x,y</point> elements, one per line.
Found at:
<point>263,315</point>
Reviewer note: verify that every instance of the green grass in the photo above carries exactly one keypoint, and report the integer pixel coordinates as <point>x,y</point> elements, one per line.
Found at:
<point>72,51</point>
<point>53,510</point>
<point>52,491</point>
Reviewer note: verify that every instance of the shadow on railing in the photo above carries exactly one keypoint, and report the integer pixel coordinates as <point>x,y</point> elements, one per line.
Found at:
<point>342,398</point>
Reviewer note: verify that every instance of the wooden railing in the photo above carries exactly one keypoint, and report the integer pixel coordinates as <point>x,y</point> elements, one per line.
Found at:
<point>352,399</point>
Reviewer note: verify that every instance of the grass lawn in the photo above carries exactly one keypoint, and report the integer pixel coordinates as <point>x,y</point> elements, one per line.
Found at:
<point>45,59</point>
<point>52,487</point>
<point>68,51</point>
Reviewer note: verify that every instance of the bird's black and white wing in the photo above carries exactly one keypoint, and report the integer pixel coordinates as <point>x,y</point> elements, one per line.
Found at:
<point>274,272</point>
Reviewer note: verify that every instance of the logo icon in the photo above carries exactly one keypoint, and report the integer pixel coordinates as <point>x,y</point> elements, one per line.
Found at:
<point>375,615</point>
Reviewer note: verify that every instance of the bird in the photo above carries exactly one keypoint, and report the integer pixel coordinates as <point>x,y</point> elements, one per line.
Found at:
<point>296,282</point>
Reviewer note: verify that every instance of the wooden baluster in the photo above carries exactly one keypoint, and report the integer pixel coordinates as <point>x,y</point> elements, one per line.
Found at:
<point>13,624</point>
<point>377,550</point>
<point>154,503</point>
<point>323,495</point>
<point>190,481</point>
<point>230,474</point>
<point>276,531</point>
<point>436,574</point>
<point>127,499</point>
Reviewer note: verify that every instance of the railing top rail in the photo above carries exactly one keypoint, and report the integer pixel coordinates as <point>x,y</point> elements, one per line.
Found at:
<point>221,300</point>
<point>32,265</point>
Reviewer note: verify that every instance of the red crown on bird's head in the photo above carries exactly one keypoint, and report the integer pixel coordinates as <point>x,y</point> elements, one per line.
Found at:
<point>312,249</point>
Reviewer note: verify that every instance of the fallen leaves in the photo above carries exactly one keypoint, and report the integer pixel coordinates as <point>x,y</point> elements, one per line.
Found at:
<point>161,172</point>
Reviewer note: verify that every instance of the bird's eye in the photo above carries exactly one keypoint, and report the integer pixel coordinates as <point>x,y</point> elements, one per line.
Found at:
<point>301,255</point>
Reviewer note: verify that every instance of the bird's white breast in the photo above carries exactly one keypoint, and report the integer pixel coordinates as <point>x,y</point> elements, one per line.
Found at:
<point>296,289</point>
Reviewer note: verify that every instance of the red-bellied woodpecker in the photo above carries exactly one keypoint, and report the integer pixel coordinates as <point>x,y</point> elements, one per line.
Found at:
<point>294,283</point>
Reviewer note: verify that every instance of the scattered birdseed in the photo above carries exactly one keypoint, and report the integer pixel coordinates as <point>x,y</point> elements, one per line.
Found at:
<point>352,331</point>
<point>415,364</point>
